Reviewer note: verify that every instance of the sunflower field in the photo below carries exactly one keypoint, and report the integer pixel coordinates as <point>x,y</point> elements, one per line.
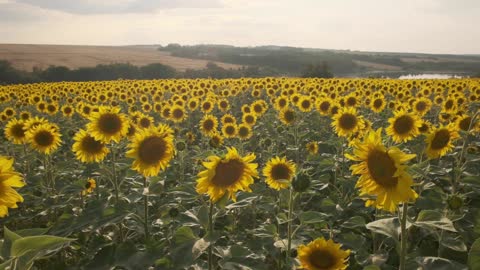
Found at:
<point>267,173</point>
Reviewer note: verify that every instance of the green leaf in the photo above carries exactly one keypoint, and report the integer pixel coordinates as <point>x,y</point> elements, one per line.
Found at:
<point>199,247</point>
<point>203,217</point>
<point>434,219</point>
<point>474,255</point>
<point>9,238</point>
<point>388,226</point>
<point>42,243</point>
<point>312,217</point>
<point>32,232</point>
<point>354,222</point>
<point>372,267</point>
<point>454,243</point>
<point>437,263</point>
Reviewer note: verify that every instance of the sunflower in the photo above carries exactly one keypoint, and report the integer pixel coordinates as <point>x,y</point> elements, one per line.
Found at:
<point>145,121</point>
<point>108,124</point>
<point>87,149</point>
<point>178,114</point>
<point>207,106</point>
<point>223,105</point>
<point>89,186</point>
<point>312,148</point>
<point>346,122</point>
<point>208,124</point>
<point>305,104</point>
<point>322,254</point>
<point>287,116</point>
<point>15,131</point>
<point>228,118</point>
<point>425,127</point>
<point>33,122</point>
<point>244,132</point>
<point>229,130</point>
<point>44,138</point>
<point>421,106</point>
<point>25,115</point>
<point>323,106</point>
<point>440,141</point>
<point>249,119</point>
<point>67,110</point>
<point>383,173</point>
<point>152,150</point>
<point>216,140</point>
<point>280,103</point>
<point>9,179</point>
<point>465,123</point>
<point>279,172</point>
<point>227,175</point>
<point>378,104</point>
<point>403,126</point>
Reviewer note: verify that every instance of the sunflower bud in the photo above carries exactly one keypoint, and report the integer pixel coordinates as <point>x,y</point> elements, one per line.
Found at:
<point>301,183</point>
<point>455,202</point>
<point>181,146</point>
<point>173,212</point>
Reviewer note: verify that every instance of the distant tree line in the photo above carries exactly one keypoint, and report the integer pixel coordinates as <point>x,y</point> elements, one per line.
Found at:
<point>10,75</point>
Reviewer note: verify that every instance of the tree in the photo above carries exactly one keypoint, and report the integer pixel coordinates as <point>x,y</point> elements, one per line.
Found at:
<point>318,71</point>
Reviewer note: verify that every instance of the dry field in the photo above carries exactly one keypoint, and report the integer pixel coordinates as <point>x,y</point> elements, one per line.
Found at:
<point>26,57</point>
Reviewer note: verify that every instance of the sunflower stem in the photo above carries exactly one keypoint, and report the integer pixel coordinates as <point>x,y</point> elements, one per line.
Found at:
<point>289,223</point>
<point>27,164</point>
<point>116,188</point>
<point>210,231</point>
<point>403,243</point>
<point>145,209</point>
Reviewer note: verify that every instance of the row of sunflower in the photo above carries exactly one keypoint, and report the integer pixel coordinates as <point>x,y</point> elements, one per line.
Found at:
<point>204,137</point>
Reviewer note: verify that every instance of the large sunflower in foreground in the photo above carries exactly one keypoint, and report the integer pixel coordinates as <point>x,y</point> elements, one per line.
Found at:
<point>403,126</point>
<point>227,174</point>
<point>15,131</point>
<point>440,141</point>
<point>108,124</point>
<point>322,254</point>
<point>9,179</point>
<point>346,122</point>
<point>382,172</point>
<point>279,172</point>
<point>152,150</point>
<point>87,149</point>
<point>45,138</point>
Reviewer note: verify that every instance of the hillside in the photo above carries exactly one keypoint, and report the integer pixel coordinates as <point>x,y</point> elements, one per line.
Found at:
<point>26,57</point>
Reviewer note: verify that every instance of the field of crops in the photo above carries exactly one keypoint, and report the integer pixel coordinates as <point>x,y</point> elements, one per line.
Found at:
<point>270,173</point>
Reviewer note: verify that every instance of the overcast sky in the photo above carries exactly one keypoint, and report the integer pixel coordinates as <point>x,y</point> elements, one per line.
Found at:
<point>435,26</point>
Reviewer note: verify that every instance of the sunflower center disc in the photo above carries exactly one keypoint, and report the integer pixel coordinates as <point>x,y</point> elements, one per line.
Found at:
<point>403,124</point>
<point>110,123</point>
<point>17,131</point>
<point>348,121</point>
<point>208,125</point>
<point>382,168</point>
<point>177,113</point>
<point>44,138</point>
<point>441,139</point>
<point>228,173</point>
<point>377,103</point>
<point>280,172</point>
<point>325,106</point>
<point>152,150</point>
<point>90,145</point>
<point>465,123</point>
<point>322,259</point>
<point>421,106</point>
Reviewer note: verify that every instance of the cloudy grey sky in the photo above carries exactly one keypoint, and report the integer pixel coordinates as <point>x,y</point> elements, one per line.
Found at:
<point>436,26</point>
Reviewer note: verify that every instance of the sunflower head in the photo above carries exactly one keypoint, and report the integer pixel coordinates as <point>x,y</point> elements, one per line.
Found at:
<point>287,116</point>
<point>152,149</point>
<point>322,254</point>
<point>45,138</point>
<point>226,175</point>
<point>87,149</point>
<point>15,131</point>
<point>403,126</point>
<point>89,186</point>
<point>9,179</point>
<point>346,122</point>
<point>279,172</point>
<point>312,148</point>
<point>440,141</point>
<point>108,124</point>
<point>382,172</point>
<point>208,125</point>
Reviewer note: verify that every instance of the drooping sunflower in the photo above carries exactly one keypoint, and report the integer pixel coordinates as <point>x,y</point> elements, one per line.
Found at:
<point>403,126</point>
<point>9,179</point>
<point>382,172</point>
<point>152,150</point>
<point>89,186</point>
<point>87,149</point>
<point>208,125</point>
<point>178,114</point>
<point>244,132</point>
<point>15,131</point>
<point>465,123</point>
<point>229,130</point>
<point>45,138</point>
<point>440,141</point>
<point>216,140</point>
<point>287,116</point>
<point>347,122</point>
<point>108,124</point>
<point>227,175</point>
<point>321,254</point>
<point>279,172</point>
<point>312,148</point>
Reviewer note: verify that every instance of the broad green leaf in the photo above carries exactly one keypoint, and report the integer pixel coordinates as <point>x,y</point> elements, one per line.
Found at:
<point>32,232</point>
<point>42,243</point>
<point>388,226</point>
<point>454,243</point>
<point>312,217</point>
<point>432,218</point>
<point>437,263</point>
<point>354,222</point>
<point>8,238</point>
<point>474,255</point>
<point>199,247</point>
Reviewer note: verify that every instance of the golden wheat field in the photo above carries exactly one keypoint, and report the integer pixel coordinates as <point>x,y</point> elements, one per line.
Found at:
<point>268,173</point>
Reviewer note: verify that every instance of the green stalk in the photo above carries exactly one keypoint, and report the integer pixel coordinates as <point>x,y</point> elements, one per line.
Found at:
<point>145,209</point>
<point>403,243</point>
<point>210,231</point>
<point>289,223</point>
